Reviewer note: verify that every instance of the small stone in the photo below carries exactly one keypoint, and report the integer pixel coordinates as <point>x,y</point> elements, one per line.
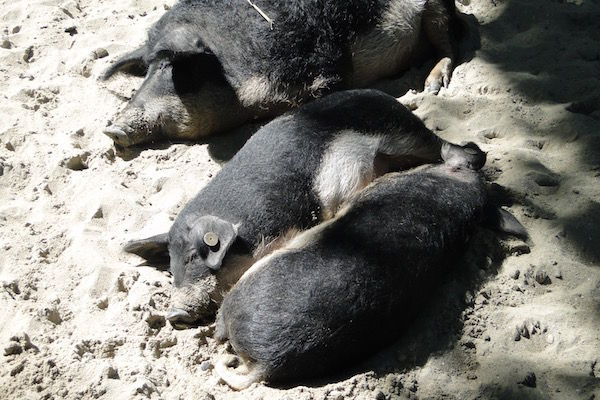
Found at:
<point>469,344</point>
<point>550,338</point>
<point>542,278</point>
<point>102,303</point>
<point>517,334</point>
<point>13,349</point>
<point>109,155</point>
<point>78,162</point>
<point>24,341</point>
<point>6,44</point>
<point>28,54</point>
<point>99,53</point>
<point>18,369</point>
<point>515,274</point>
<point>380,395</point>
<point>98,214</point>
<point>487,338</point>
<point>168,342</point>
<point>9,146</point>
<point>52,315</point>
<point>72,30</point>
<point>558,274</point>
<point>12,286</point>
<point>524,331</point>
<point>155,321</point>
<point>203,332</point>
<point>16,29</point>
<point>529,380</point>
<point>206,366</point>
<point>111,373</point>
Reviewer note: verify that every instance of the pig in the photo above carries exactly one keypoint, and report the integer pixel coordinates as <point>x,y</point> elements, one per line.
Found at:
<point>339,291</point>
<point>295,172</point>
<point>211,66</point>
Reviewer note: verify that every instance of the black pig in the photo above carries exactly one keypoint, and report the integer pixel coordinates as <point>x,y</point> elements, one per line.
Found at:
<point>340,290</point>
<point>212,65</point>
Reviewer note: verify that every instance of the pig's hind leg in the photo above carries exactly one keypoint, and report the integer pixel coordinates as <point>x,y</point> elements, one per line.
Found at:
<point>418,146</point>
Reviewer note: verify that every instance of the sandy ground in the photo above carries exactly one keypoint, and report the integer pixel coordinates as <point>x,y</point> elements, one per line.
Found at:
<point>80,319</point>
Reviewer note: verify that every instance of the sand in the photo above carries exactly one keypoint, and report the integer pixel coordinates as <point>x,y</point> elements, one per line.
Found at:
<point>81,319</point>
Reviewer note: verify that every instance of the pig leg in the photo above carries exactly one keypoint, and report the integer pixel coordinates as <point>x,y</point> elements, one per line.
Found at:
<point>437,20</point>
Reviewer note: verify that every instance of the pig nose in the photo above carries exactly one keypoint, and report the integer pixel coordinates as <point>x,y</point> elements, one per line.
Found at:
<point>118,134</point>
<point>177,315</point>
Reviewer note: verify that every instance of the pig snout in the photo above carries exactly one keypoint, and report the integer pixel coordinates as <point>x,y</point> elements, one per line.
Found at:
<point>193,303</point>
<point>179,316</point>
<point>132,126</point>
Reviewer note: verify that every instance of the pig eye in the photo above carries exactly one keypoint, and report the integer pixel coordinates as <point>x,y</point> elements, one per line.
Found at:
<point>190,258</point>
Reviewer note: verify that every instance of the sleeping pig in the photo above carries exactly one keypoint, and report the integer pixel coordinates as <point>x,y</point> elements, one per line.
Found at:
<point>306,309</point>
<point>210,66</point>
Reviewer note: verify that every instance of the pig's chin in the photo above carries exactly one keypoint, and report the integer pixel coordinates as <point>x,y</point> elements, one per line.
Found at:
<point>193,304</point>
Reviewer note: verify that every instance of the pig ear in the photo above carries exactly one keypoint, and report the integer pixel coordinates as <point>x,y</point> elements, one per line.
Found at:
<point>178,42</point>
<point>219,243</point>
<point>153,249</point>
<point>131,63</point>
<point>503,221</point>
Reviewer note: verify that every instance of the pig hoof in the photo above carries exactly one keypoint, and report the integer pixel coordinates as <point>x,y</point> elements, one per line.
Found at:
<point>439,76</point>
<point>179,316</point>
<point>433,86</point>
<point>468,155</point>
<point>118,135</point>
<point>435,81</point>
<point>475,156</point>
